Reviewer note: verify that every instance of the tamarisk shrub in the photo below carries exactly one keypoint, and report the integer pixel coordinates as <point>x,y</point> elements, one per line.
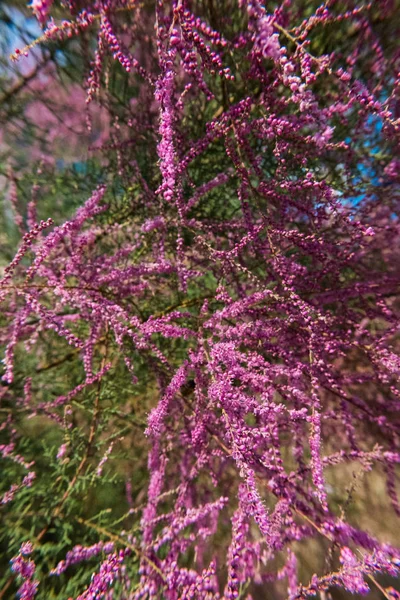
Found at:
<point>223,305</point>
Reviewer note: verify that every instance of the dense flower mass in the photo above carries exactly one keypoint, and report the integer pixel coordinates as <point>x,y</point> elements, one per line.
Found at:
<point>224,301</point>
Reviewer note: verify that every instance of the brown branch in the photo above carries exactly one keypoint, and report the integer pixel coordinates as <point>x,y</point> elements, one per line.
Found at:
<point>8,95</point>
<point>120,540</point>
<point>8,583</point>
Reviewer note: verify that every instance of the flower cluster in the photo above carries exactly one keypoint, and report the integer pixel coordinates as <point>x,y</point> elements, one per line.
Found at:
<point>225,303</point>
<point>41,9</point>
<point>25,569</point>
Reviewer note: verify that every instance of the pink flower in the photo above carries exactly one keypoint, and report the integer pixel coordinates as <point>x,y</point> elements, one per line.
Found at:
<point>41,9</point>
